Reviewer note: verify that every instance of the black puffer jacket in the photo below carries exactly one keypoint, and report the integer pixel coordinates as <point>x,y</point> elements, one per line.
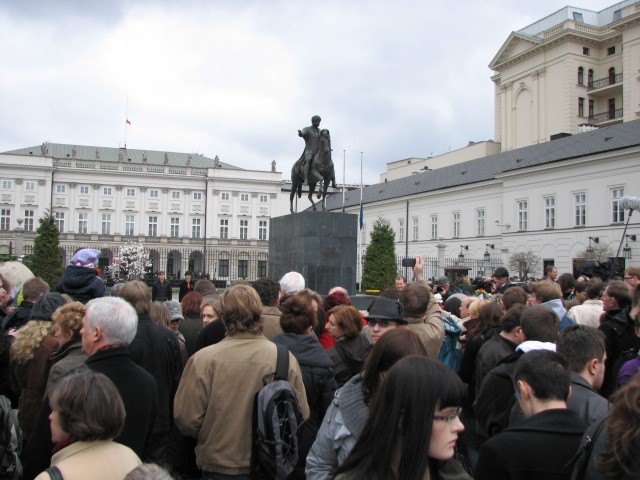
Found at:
<point>348,357</point>
<point>319,383</point>
<point>81,283</point>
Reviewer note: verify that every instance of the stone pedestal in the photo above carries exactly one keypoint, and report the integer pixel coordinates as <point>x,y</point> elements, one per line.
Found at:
<point>322,246</point>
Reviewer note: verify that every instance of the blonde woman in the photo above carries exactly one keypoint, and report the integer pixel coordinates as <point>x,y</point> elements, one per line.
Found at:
<point>30,354</point>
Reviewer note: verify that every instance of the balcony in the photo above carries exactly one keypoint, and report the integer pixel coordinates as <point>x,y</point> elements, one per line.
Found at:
<point>606,86</point>
<point>607,118</point>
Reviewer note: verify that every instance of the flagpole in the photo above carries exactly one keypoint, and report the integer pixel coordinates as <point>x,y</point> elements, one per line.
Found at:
<point>126,122</point>
<point>361,219</point>
<point>344,162</point>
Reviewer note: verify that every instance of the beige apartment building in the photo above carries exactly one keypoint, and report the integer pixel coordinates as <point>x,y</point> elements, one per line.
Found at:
<point>571,69</point>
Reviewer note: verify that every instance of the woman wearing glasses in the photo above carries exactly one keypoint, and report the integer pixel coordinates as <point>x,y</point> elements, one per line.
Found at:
<point>416,411</point>
<point>348,412</point>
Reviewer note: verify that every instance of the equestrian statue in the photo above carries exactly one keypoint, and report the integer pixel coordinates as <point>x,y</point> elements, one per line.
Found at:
<point>314,165</point>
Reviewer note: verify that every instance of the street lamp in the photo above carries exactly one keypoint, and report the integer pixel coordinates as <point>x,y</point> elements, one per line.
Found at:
<point>626,251</point>
<point>487,255</point>
<point>594,240</point>
<point>461,255</point>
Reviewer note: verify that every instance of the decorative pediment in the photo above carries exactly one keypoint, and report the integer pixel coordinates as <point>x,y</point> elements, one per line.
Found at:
<point>515,45</point>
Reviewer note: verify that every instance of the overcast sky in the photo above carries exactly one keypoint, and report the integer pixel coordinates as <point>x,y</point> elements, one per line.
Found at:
<point>238,78</point>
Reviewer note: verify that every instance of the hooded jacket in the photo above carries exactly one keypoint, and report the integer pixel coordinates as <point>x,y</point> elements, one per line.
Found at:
<point>81,283</point>
<point>348,357</point>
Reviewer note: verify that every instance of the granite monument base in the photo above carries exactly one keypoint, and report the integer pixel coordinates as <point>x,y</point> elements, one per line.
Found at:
<point>322,246</point>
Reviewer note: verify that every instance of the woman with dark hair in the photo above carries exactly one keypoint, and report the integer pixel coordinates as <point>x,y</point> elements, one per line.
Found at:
<point>486,325</point>
<point>615,452</point>
<point>332,300</point>
<point>416,411</point>
<point>67,321</point>
<point>298,322</point>
<point>347,413</point>
<point>351,348</point>
<point>86,414</point>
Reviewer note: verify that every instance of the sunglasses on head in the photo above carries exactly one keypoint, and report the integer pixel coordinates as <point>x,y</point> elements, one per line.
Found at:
<point>383,322</point>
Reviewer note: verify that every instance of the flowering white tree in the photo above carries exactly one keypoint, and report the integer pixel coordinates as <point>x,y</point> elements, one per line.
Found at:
<point>131,262</point>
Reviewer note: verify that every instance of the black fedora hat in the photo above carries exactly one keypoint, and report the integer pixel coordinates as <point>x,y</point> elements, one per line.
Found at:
<point>387,309</point>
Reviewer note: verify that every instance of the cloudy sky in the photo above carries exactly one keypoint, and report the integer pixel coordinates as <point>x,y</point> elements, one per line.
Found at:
<point>238,78</point>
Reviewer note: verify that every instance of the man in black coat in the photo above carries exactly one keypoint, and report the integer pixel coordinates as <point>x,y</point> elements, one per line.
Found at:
<point>31,291</point>
<point>495,406</point>
<point>108,328</point>
<point>541,446</point>
<point>155,349</point>
<point>161,290</point>
<point>621,340</point>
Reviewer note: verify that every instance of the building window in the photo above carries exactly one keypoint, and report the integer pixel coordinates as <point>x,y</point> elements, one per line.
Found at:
<point>580,209</point>
<point>590,77</point>
<point>612,76</point>
<point>197,195</point>
<point>617,15</point>
<point>611,50</point>
<point>153,226</point>
<point>223,268</point>
<point>131,192</point>
<point>224,196</point>
<point>401,229</point>
<point>618,212</point>
<point>577,16</point>
<point>585,50</point>
<point>174,225</point>
<point>591,108</point>
<point>29,216</point>
<point>7,184</point>
<point>580,75</point>
<point>415,228</point>
<point>224,228</point>
<point>83,223</point>
<point>106,224</point>
<point>549,212</point>
<point>580,106</point>
<point>195,227</point>
<point>244,229</point>
<point>456,224</point>
<point>175,195</point>
<point>522,215</point>
<point>243,268</point>
<point>5,219</point>
<point>61,188</point>
<point>58,220</point>
<point>84,190</point>
<point>480,222</point>
<point>262,230</point>
<point>262,268</point>
<point>153,193</point>
<point>264,199</point>
<point>30,186</point>
<point>129,221</point>
<point>244,197</point>
<point>612,108</point>
<point>107,191</point>
<point>434,227</point>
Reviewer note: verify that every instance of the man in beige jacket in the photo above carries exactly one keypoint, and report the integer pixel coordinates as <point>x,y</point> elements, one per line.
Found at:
<point>214,401</point>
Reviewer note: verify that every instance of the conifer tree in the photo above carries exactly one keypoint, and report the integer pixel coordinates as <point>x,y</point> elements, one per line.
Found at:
<point>46,260</point>
<point>379,270</point>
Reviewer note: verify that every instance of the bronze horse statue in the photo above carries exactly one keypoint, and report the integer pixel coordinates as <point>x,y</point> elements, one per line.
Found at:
<point>321,171</point>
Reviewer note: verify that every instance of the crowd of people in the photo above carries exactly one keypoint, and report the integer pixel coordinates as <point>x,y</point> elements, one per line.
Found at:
<point>509,383</point>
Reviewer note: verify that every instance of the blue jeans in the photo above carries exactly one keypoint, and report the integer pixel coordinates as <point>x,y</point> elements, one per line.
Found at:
<point>222,476</point>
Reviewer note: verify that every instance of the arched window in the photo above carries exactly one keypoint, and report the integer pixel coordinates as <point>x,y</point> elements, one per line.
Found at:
<point>612,76</point>
<point>580,76</point>
<point>590,77</point>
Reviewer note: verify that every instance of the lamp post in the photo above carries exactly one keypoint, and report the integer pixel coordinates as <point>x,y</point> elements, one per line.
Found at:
<point>626,251</point>
<point>461,255</point>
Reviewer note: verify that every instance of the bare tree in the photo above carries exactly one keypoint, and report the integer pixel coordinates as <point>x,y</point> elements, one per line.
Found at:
<point>598,253</point>
<point>525,263</point>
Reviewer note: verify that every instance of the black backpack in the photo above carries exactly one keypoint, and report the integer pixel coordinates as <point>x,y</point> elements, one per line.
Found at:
<point>276,421</point>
